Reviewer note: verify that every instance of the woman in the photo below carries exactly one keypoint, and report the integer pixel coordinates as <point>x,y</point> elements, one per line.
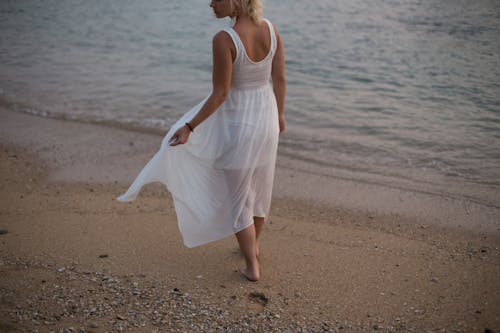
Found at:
<point>218,160</point>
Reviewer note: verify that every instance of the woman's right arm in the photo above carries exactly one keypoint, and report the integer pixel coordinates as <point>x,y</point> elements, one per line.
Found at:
<point>279,80</point>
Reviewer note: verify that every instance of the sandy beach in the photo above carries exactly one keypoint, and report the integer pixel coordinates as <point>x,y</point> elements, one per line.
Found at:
<point>337,254</point>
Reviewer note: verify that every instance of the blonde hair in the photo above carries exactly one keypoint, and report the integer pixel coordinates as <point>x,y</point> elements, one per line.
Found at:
<point>252,8</point>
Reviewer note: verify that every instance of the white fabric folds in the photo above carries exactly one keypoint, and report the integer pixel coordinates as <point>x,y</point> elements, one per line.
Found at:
<point>223,176</point>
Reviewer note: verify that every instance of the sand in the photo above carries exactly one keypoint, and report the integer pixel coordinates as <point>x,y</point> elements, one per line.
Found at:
<point>337,254</point>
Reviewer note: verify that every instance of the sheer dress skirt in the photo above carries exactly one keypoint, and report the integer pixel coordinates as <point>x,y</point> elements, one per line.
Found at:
<point>223,176</point>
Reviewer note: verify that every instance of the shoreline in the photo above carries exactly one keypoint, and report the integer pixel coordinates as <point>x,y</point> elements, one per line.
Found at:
<point>70,160</point>
<point>483,194</point>
<point>352,266</point>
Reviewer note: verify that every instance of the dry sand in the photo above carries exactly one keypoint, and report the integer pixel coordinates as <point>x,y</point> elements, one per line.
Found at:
<point>73,259</point>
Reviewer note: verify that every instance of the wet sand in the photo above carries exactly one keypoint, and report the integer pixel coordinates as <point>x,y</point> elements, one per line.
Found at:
<point>338,255</point>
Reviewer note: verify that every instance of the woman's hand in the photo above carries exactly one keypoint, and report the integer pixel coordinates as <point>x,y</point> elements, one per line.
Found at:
<point>180,137</point>
<point>281,119</point>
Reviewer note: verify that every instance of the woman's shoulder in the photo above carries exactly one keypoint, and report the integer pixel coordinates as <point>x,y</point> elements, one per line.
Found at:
<point>224,41</point>
<point>223,37</point>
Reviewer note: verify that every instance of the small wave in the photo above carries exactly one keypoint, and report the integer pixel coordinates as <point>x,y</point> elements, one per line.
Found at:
<point>150,126</point>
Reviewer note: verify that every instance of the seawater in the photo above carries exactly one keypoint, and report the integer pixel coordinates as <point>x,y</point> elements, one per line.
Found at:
<point>404,89</point>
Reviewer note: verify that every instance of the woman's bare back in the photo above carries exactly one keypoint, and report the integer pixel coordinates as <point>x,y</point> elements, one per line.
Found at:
<point>255,38</point>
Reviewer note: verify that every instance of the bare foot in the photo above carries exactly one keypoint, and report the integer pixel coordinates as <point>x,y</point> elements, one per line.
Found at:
<point>250,276</point>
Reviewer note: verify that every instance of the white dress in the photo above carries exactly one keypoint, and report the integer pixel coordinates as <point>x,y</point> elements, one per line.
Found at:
<point>223,176</point>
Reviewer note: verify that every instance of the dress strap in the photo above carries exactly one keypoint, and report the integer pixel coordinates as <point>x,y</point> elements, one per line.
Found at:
<point>236,41</point>
<point>274,40</point>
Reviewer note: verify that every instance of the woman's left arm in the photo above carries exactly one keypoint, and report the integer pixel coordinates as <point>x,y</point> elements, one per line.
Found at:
<point>221,80</point>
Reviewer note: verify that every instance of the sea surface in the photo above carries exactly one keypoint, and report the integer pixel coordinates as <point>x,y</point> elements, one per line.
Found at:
<point>399,91</point>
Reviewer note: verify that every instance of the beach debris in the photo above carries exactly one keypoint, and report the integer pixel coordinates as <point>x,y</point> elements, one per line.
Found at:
<point>120,317</point>
<point>103,255</point>
<point>434,279</point>
<point>3,231</point>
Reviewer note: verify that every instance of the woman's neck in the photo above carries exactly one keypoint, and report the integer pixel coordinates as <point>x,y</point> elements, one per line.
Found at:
<point>243,20</point>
